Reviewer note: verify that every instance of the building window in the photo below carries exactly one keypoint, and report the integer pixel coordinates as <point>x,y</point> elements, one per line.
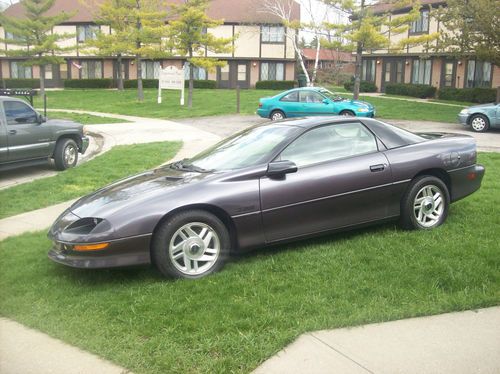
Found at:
<point>198,73</point>
<point>11,36</point>
<point>273,34</point>
<point>368,70</point>
<point>19,71</point>
<point>91,69</point>
<point>421,72</point>
<point>86,32</point>
<point>150,69</point>
<point>272,71</point>
<point>63,71</point>
<point>421,25</point>
<point>478,74</point>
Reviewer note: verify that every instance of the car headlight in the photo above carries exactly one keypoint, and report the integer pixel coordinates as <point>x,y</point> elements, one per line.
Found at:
<point>464,111</point>
<point>87,225</point>
<point>363,110</point>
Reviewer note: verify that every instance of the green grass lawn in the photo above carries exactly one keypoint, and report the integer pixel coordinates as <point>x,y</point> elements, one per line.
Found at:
<point>84,119</point>
<point>216,102</point>
<point>117,163</point>
<point>233,320</point>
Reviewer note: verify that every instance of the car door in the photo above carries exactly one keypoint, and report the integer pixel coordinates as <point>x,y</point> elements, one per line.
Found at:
<point>4,150</point>
<point>342,180</point>
<point>290,105</point>
<point>27,138</point>
<point>314,104</point>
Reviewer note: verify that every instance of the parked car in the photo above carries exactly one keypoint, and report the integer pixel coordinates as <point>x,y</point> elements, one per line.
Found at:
<point>27,138</point>
<point>481,117</point>
<point>271,183</point>
<point>311,101</point>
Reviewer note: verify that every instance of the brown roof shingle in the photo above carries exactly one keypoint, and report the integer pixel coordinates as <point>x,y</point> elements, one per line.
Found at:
<point>231,11</point>
<point>383,6</point>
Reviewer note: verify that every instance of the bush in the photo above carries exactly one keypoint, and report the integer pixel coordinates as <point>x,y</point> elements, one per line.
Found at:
<point>146,83</point>
<point>364,86</point>
<point>201,84</point>
<point>421,91</point>
<point>473,95</point>
<point>88,83</point>
<point>22,83</point>
<point>274,85</point>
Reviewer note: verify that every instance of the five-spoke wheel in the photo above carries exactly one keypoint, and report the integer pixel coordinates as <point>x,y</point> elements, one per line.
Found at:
<point>191,244</point>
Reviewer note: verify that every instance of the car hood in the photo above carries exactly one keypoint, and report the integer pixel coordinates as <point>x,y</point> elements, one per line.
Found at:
<point>482,106</point>
<point>63,124</point>
<point>134,190</point>
<point>359,103</point>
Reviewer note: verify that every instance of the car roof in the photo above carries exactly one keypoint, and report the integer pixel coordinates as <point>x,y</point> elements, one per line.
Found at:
<point>308,122</point>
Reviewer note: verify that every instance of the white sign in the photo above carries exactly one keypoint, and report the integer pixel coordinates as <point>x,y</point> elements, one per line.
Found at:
<point>171,78</point>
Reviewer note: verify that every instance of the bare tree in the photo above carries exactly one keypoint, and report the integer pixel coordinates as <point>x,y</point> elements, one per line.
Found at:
<point>284,10</point>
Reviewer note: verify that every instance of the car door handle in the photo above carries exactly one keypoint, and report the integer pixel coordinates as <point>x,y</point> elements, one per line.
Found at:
<point>12,132</point>
<point>378,167</point>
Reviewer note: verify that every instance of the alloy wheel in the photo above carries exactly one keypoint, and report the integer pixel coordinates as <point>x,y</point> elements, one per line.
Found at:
<point>428,206</point>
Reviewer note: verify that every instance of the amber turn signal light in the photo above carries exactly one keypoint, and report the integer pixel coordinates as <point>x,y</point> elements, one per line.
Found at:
<point>91,247</point>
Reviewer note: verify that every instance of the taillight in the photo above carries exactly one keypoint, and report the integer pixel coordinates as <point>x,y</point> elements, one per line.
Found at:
<point>260,105</point>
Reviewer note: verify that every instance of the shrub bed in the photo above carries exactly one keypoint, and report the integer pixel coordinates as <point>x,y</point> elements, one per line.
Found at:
<point>88,83</point>
<point>275,85</point>
<point>21,83</point>
<point>421,91</point>
<point>146,83</point>
<point>202,84</point>
<point>364,86</point>
<point>473,95</point>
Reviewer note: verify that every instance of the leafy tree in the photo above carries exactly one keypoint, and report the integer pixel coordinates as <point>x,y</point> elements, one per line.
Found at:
<point>371,31</point>
<point>137,30</point>
<point>32,34</point>
<point>188,35</point>
<point>470,28</point>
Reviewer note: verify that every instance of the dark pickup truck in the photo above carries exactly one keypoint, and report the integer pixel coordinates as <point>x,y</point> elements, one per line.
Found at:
<point>27,138</point>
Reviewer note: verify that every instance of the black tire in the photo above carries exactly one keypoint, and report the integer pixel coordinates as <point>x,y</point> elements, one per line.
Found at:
<point>278,114</point>
<point>64,147</point>
<point>167,234</point>
<point>410,210</point>
<point>347,113</point>
<point>479,123</point>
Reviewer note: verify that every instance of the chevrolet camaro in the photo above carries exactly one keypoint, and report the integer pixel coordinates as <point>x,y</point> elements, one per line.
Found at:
<point>272,183</point>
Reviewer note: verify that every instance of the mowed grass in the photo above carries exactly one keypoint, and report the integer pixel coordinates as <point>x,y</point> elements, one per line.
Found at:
<point>117,163</point>
<point>233,320</point>
<point>208,102</point>
<point>84,119</point>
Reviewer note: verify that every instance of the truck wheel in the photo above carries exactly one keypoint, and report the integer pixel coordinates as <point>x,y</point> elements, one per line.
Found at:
<point>65,154</point>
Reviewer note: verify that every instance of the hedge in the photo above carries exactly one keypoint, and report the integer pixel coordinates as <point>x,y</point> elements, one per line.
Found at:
<point>146,83</point>
<point>364,86</point>
<point>21,83</point>
<point>88,83</point>
<point>202,84</point>
<point>274,85</point>
<point>473,95</point>
<point>421,91</point>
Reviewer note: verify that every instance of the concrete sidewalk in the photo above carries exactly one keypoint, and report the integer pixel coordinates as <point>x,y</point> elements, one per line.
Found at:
<point>455,343</point>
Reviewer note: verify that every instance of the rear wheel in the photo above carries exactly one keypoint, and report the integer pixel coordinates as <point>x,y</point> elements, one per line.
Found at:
<point>347,113</point>
<point>65,154</point>
<point>425,204</point>
<point>276,115</point>
<point>479,123</point>
<point>192,244</point>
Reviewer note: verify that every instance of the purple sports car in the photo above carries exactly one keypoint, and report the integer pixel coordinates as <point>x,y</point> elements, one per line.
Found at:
<point>271,183</point>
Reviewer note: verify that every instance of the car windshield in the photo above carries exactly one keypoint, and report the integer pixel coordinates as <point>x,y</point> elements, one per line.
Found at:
<point>247,148</point>
<point>331,95</point>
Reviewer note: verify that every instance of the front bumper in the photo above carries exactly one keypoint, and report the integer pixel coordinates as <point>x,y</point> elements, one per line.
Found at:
<point>85,144</point>
<point>463,119</point>
<point>122,252</point>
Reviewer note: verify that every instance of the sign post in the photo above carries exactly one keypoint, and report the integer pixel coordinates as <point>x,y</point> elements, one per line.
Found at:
<point>171,78</point>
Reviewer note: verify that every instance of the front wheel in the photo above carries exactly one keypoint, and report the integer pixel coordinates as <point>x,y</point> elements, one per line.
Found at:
<point>347,113</point>
<point>192,244</point>
<point>65,154</point>
<point>425,204</point>
<point>479,123</point>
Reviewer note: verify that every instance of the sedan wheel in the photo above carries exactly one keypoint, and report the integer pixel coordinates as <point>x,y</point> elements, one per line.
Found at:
<point>347,113</point>
<point>190,245</point>
<point>277,115</point>
<point>425,204</point>
<point>479,123</point>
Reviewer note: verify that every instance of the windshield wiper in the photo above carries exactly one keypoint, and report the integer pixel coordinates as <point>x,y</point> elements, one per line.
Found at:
<point>183,165</point>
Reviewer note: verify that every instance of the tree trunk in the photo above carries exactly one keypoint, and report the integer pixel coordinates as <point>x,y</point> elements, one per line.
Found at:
<point>191,80</point>
<point>140,90</point>
<point>316,60</point>
<point>119,68</point>
<point>42,81</point>
<point>359,56</point>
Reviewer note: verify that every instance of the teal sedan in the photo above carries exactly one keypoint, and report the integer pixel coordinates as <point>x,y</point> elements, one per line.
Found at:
<point>311,101</point>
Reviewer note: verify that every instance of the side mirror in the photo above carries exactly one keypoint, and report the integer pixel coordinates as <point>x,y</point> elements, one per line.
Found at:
<point>41,119</point>
<point>326,101</point>
<point>279,168</point>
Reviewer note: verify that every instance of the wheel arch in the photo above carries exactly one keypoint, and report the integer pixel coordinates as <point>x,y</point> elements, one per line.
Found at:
<point>215,210</point>
<point>469,119</point>
<point>73,137</point>
<point>438,173</point>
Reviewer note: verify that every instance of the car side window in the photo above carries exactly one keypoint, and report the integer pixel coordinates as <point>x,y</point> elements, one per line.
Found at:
<point>310,97</point>
<point>292,96</point>
<point>18,113</point>
<point>329,143</point>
